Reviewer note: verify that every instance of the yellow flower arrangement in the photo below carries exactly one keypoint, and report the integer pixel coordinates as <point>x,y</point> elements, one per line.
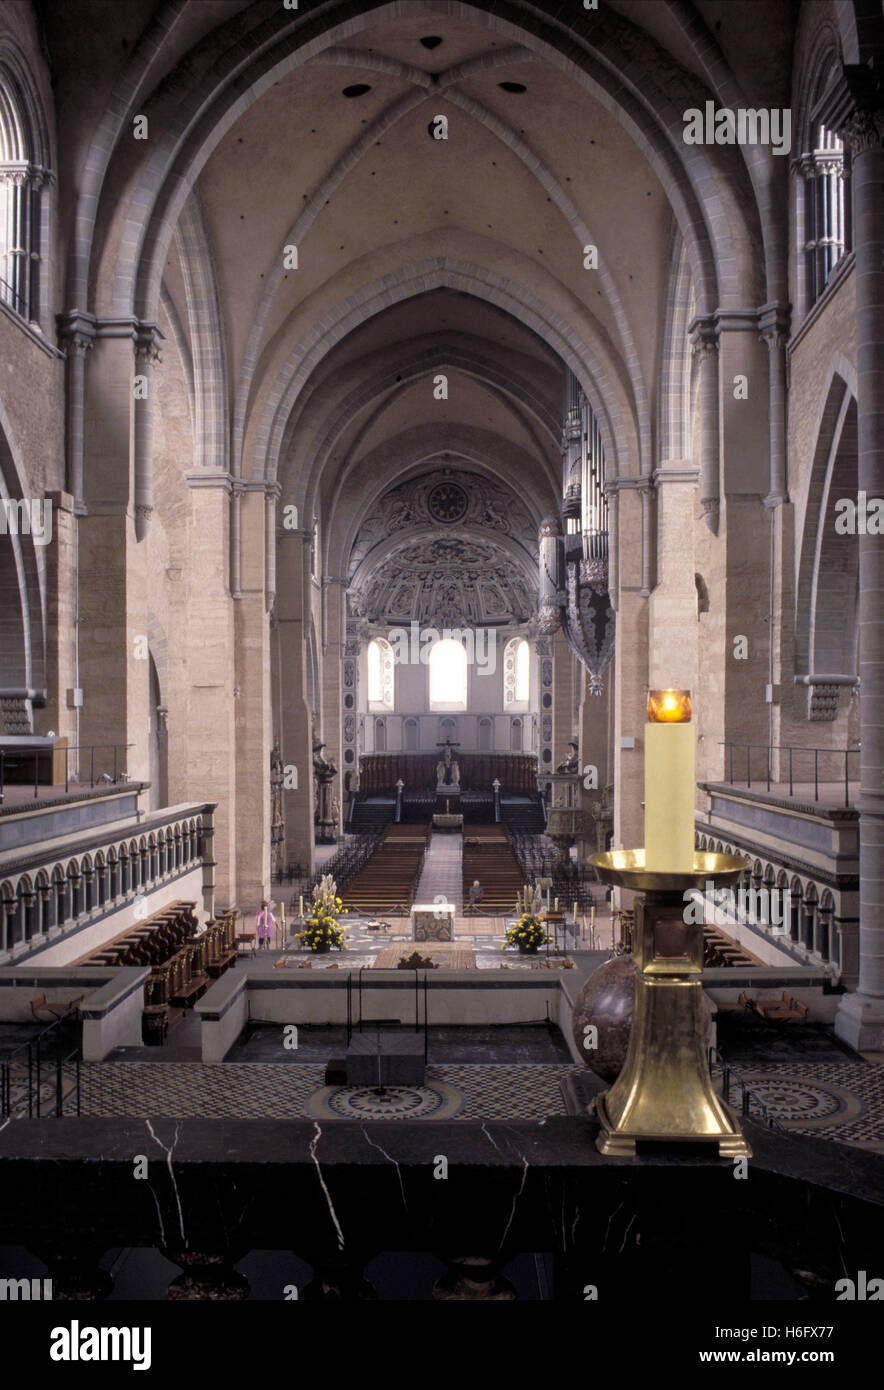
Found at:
<point>529,932</point>
<point>322,928</point>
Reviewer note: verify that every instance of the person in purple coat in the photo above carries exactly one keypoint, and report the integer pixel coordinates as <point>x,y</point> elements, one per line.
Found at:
<point>265,925</point>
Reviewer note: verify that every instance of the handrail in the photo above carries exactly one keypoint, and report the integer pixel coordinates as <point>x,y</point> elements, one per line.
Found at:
<point>11,755</point>
<point>33,1048</point>
<point>727,1071</point>
<point>791,749</point>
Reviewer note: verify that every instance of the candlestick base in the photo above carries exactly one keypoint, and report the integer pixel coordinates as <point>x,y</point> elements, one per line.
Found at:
<point>664,1094</point>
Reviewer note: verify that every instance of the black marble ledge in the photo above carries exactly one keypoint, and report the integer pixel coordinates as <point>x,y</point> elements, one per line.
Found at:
<point>557,1142</point>
<point>318,1188</point>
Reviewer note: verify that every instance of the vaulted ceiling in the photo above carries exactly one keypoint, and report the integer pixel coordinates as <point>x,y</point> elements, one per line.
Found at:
<point>418,259</point>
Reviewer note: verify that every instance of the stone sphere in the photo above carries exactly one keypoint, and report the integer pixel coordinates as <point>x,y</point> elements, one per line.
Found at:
<point>605,1000</point>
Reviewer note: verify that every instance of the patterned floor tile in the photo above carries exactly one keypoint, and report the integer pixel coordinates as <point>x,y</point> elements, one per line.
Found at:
<point>252,1090</point>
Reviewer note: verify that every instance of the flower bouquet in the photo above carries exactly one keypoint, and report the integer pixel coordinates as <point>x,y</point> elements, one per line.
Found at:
<point>323,930</point>
<point>528,934</point>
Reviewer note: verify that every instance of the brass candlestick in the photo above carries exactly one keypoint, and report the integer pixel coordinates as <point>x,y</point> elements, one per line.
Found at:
<point>664,1092</point>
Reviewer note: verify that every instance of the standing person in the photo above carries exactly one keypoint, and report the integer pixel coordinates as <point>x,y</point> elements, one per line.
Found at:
<point>265,925</point>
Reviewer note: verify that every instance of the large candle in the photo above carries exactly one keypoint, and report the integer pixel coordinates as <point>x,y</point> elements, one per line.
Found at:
<point>301,906</point>
<point>669,783</point>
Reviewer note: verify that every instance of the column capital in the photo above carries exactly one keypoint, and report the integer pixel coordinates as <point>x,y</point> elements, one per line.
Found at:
<point>615,485</point>
<point>147,339</point>
<point>205,478</point>
<point>76,332</point>
<point>703,335</point>
<point>685,474</point>
<point>864,130</point>
<point>773,324</point>
<point>269,486</point>
<point>854,107</point>
<point>20,171</point>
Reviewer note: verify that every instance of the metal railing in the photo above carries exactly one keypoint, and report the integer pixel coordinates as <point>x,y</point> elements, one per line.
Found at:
<point>11,296</point>
<point>748,1098</point>
<point>42,1072</point>
<point>10,758</point>
<point>734,758</point>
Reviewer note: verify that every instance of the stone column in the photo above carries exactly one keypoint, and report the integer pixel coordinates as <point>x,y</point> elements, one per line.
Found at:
<point>202,674</point>
<point>334,636</point>
<point>61,633</point>
<point>112,569</point>
<point>773,324</point>
<point>594,721</point>
<point>646,493</point>
<point>705,348</point>
<point>254,738</point>
<point>271,497</point>
<point>293,719</point>
<point>564,696</point>
<point>860,1019</point>
<point>76,334</point>
<point>147,354</point>
<point>672,606</point>
<point>630,674</point>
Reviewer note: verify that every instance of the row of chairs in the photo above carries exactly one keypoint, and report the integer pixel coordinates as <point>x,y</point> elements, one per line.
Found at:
<point>388,880</point>
<point>491,860</point>
<point>343,865</point>
<point>175,985</point>
<point>719,951</point>
<point>152,942</point>
<point>764,1010</point>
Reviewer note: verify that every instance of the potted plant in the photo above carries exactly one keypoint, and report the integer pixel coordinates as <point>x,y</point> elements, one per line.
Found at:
<point>323,930</point>
<point>528,933</point>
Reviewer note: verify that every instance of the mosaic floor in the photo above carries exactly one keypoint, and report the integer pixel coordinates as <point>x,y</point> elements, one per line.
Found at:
<point>254,1090</point>
<point>842,1102</point>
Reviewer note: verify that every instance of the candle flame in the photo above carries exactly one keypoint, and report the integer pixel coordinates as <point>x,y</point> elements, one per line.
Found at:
<point>669,706</point>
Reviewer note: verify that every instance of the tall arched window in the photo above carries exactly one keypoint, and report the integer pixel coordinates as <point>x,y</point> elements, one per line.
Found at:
<point>517,675</point>
<point>24,181</point>
<point>826,209</point>
<point>380,664</point>
<point>448,675</point>
<point>484,735</point>
<point>822,176</point>
<point>411,735</point>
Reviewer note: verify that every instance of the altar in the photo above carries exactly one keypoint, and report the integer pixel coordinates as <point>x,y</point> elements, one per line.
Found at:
<point>432,922</point>
<point>445,820</point>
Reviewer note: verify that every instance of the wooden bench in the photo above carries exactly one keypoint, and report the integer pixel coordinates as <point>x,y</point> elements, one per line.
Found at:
<point>57,1007</point>
<point>785,1010</point>
<point>743,1005</point>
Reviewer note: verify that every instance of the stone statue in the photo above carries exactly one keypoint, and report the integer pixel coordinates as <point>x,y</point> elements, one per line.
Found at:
<point>572,762</point>
<point>326,811</point>
<point>448,769</point>
<point>322,766</point>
